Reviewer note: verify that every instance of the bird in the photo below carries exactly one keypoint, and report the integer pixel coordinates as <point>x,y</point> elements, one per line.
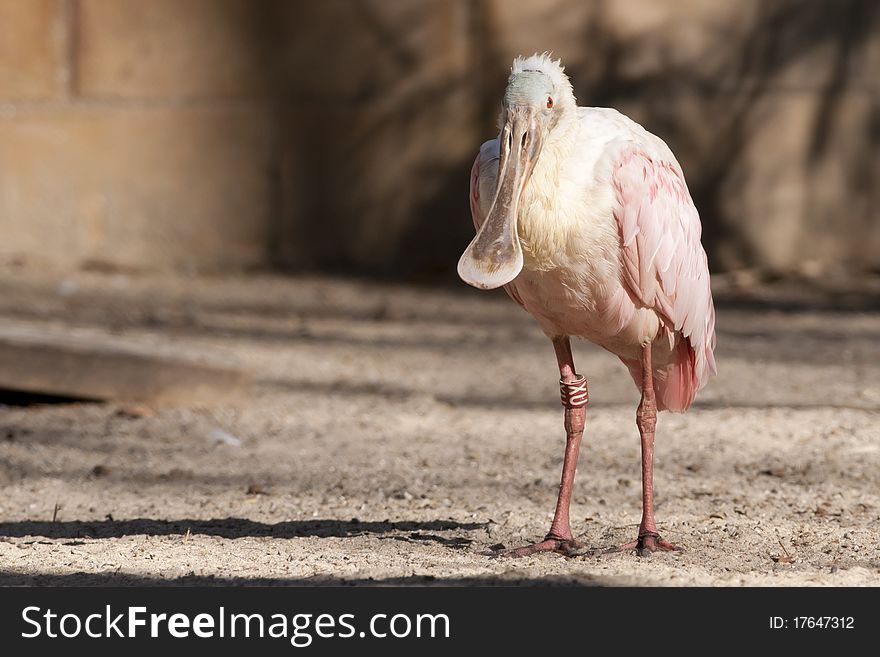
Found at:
<point>585,219</point>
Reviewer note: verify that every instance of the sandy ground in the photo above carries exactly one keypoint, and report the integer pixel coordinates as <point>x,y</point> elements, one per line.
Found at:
<point>394,434</point>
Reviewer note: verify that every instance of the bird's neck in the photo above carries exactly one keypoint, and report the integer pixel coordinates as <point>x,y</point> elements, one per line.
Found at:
<point>543,223</point>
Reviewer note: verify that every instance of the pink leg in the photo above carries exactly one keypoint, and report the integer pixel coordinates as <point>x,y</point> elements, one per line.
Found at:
<point>649,539</point>
<point>574,399</point>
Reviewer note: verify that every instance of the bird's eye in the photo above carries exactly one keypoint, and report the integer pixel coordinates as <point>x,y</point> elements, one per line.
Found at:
<point>549,102</point>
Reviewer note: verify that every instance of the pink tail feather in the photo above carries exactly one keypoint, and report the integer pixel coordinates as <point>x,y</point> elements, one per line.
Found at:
<point>675,384</point>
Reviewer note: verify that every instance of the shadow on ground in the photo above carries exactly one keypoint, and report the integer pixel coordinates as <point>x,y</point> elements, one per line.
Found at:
<point>116,579</point>
<point>225,528</point>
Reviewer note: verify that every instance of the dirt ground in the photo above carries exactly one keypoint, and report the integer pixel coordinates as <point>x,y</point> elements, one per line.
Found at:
<point>394,434</point>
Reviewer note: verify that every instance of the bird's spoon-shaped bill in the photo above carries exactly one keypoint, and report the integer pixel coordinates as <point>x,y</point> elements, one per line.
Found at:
<point>494,257</point>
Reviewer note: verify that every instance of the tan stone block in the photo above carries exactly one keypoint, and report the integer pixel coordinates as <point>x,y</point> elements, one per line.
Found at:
<point>361,50</point>
<point>699,45</point>
<point>308,51</point>
<point>160,48</point>
<point>523,28</point>
<point>843,184</point>
<point>163,188</point>
<point>378,188</point>
<point>380,183</point>
<point>682,44</point>
<point>801,192</point>
<point>31,44</point>
<point>867,66</point>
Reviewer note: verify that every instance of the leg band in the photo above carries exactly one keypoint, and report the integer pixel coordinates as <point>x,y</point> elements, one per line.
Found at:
<point>574,394</point>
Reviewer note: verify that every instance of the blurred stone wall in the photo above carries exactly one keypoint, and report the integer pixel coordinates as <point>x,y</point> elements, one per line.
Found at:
<point>338,135</point>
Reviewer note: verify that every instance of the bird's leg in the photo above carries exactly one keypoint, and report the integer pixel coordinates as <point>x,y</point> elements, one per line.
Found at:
<point>649,539</point>
<point>574,393</point>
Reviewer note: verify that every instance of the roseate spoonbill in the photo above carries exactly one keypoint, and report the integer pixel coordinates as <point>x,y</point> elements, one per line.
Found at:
<point>585,218</point>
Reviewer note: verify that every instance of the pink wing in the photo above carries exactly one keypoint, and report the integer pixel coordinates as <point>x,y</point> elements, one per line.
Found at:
<point>665,268</point>
<point>488,153</point>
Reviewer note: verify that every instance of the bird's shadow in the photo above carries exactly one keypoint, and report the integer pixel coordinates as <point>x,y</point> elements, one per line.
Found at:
<point>232,528</point>
<point>78,531</point>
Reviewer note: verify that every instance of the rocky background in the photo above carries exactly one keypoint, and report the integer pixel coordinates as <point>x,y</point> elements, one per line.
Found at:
<point>216,135</point>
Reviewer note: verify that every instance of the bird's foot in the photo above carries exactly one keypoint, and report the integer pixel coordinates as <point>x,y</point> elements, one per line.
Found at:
<point>567,547</point>
<point>646,544</point>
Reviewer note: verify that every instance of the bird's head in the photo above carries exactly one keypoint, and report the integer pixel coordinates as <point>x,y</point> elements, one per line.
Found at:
<point>537,100</point>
